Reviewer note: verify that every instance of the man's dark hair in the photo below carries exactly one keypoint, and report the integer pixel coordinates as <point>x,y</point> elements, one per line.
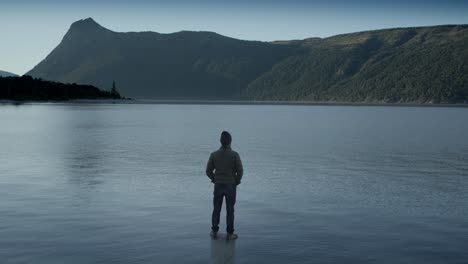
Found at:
<point>225,139</point>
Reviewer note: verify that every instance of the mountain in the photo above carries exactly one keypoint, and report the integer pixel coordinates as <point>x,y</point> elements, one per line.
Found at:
<point>195,65</point>
<point>414,65</point>
<point>6,74</point>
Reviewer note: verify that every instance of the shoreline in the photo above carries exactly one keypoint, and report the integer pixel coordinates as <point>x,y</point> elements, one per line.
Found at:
<point>228,102</point>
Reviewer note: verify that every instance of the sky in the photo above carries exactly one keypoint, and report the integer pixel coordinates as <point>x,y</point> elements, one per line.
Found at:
<point>31,29</point>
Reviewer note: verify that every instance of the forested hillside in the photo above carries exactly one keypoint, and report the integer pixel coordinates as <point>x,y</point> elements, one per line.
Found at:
<point>419,65</point>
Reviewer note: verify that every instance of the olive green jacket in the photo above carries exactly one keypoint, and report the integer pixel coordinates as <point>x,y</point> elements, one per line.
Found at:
<point>225,166</point>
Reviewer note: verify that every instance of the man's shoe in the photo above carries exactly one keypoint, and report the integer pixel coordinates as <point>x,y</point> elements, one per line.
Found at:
<point>214,235</point>
<point>231,236</point>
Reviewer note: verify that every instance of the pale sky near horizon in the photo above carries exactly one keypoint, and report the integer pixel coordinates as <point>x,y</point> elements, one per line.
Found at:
<point>32,29</point>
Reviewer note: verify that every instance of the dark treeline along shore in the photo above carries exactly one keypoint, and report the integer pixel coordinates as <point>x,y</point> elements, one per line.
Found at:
<point>26,88</point>
<point>401,65</point>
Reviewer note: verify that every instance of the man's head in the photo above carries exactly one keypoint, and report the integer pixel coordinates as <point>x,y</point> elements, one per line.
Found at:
<point>225,139</point>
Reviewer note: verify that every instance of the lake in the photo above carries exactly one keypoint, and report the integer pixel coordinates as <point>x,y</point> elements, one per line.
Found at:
<point>125,183</point>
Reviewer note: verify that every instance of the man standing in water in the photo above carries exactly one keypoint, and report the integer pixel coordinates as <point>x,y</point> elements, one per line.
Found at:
<point>225,170</point>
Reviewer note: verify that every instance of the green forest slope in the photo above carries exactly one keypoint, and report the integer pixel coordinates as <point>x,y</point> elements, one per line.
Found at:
<point>419,65</point>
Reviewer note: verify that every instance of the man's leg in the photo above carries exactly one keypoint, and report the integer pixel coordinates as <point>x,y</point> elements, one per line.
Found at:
<point>230,201</point>
<point>217,204</point>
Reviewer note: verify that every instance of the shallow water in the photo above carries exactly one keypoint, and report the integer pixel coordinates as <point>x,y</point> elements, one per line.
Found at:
<point>323,184</point>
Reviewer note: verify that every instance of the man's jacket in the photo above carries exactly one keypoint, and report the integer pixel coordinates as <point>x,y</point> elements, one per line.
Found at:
<point>225,166</point>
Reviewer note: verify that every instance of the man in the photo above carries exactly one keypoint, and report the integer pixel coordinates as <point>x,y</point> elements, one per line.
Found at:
<point>225,170</point>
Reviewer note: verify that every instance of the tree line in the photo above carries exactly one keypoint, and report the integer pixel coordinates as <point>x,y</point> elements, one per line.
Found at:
<point>26,88</point>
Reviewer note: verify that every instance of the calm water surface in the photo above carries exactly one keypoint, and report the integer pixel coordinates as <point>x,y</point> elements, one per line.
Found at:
<point>323,184</point>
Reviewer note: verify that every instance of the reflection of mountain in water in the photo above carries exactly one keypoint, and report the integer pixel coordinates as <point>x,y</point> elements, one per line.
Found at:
<point>85,155</point>
<point>223,251</point>
<point>85,165</point>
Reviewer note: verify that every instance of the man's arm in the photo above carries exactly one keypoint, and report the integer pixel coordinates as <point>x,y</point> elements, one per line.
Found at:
<point>239,169</point>
<point>210,168</point>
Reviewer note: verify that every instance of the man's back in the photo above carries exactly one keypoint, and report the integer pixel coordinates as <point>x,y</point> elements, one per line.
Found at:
<point>226,165</point>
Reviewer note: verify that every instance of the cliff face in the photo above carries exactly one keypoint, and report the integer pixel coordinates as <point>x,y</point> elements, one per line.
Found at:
<point>191,65</point>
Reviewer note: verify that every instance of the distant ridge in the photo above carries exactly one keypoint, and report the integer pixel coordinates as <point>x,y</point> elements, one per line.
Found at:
<point>408,65</point>
<point>185,64</point>
<point>6,74</point>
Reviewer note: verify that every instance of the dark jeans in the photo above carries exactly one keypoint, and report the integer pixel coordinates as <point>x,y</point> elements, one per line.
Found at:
<point>223,190</point>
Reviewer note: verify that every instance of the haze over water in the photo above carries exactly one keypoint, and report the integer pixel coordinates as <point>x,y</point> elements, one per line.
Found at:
<point>323,184</point>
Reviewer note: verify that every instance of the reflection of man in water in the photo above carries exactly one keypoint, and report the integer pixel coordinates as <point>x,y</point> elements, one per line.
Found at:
<point>225,170</point>
<point>223,251</point>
